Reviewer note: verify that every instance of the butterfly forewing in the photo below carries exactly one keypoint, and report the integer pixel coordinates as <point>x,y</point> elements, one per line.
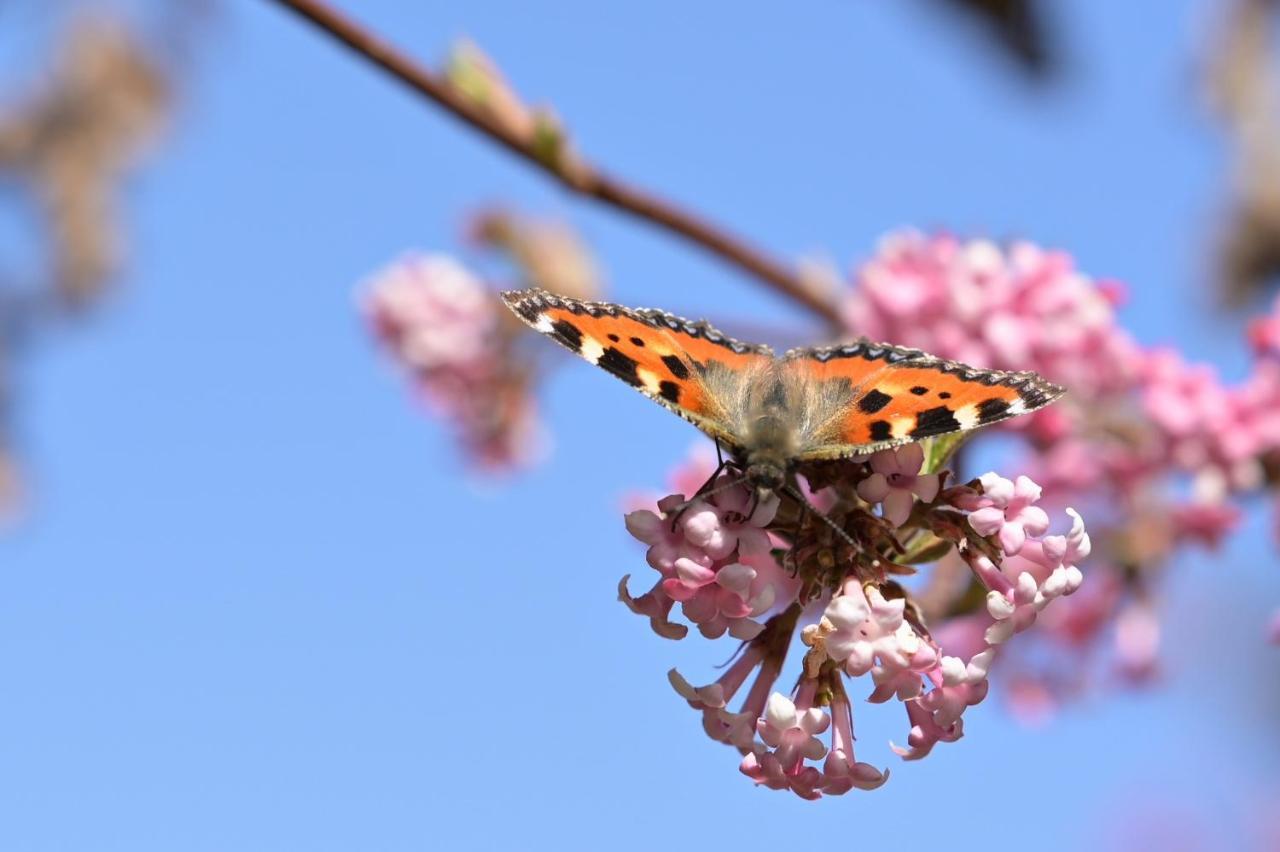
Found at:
<point>868,395</point>
<point>688,367</point>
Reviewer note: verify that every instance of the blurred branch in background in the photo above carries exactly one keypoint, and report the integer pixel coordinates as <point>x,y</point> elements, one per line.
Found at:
<point>72,141</point>
<point>472,90</point>
<point>1244,86</point>
<point>67,144</point>
<point>1018,30</point>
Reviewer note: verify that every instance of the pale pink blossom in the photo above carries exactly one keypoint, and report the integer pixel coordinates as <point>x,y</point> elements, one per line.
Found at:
<point>1137,642</point>
<point>868,633</point>
<point>434,313</point>
<point>443,326</point>
<point>1005,509</point>
<point>1019,307</point>
<point>841,772</point>
<point>896,481</point>
<point>1205,522</point>
<point>719,722</point>
<point>789,733</point>
<point>714,559</point>
<point>1264,333</point>
<point>1023,584</point>
<point>925,733</point>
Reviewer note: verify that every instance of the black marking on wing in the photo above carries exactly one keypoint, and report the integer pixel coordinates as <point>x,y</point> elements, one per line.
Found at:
<point>1035,391</point>
<point>935,421</point>
<point>881,430</point>
<point>920,390</point>
<point>676,366</point>
<point>621,365</point>
<point>530,303</point>
<point>670,391</point>
<point>992,409</point>
<point>873,401</point>
<point>568,334</point>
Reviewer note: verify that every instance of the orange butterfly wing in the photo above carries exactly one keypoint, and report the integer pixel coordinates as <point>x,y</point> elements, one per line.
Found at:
<point>663,356</point>
<point>891,395</point>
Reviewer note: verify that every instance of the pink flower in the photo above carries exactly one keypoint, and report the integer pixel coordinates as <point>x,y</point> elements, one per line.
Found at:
<point>868,633</point>
<point>1204,522</point>
<point>925,733</point>
<point>434,313</point>
<point>715,560</point>
<point>1005,510</point>
<point>841,772</point>
<point>1137,641</point>
<point>1017,308</point>
<point>896,480</point>
<point>721,724</point>
<point>789,732</point>
<point>1022,585</point>
<point>1264,333</point>
<point>443,326</point>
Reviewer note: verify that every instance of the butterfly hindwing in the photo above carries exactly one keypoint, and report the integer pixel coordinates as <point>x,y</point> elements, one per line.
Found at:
<point>688,367</point>
<point>887,395</point>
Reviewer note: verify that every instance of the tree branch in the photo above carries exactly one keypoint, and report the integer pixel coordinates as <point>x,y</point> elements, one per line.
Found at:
<point>577,176</point>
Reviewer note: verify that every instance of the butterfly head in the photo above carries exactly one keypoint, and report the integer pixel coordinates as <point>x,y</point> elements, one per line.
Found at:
<point>766,477</point>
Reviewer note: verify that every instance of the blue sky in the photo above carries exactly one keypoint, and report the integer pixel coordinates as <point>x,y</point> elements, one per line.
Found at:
<point>256,603</point>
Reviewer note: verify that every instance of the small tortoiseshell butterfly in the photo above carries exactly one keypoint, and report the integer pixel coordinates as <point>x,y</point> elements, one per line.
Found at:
<point>814,403</point>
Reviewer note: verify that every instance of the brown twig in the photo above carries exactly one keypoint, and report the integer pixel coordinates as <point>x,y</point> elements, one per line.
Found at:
<point>577,176</point>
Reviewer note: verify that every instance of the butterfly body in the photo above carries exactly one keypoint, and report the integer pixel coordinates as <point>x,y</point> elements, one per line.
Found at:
<point>772,413</point>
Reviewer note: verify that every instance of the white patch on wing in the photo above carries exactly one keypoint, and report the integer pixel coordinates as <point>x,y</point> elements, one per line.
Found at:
<point>902,426</point>
<point>967,416</point>
<point>591,349</point>
<point>543,324</point>
<point>649,380</point>
<point>1017,407</point>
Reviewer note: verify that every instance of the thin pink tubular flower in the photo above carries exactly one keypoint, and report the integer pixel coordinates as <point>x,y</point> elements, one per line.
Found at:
<point>841,772</point>
<point>896,481</point>
<point>714,560</point>
<point>721,724</point>
<point>1005,509</point>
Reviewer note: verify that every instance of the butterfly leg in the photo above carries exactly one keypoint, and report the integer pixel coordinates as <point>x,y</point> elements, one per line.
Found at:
<point>706,487</point>
<point>795,539</point>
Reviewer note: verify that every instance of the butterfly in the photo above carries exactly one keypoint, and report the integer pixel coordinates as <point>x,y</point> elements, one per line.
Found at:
<point>773,413</point>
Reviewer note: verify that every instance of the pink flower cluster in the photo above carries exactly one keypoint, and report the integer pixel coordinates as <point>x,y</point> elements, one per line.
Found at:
<point>1161,447</point>
<point>1022,308</point>
<point>444,326</point>
<point>714,556</point>
<point>1036,568</point>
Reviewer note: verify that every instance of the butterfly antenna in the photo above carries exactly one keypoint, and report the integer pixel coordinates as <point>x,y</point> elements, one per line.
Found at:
<point>792,491</point>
